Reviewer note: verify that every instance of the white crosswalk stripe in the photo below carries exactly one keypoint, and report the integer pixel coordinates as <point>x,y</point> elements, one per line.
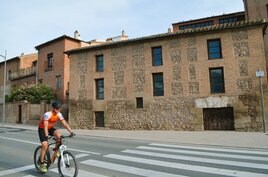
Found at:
<point>129,169</point>
<point>16,170</point>
<point>29,167</point>
<point>198,159</point>
<point>241,151</point>
<point>82,173</point>
<point>169,160</point>
<point>213,154</point>
<point>182,166</point>
<point>176,160</point>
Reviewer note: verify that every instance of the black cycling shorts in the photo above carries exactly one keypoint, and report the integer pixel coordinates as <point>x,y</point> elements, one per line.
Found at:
<point>42,135</point>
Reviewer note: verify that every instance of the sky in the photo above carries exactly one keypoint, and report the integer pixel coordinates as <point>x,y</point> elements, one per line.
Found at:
<point>25,24</point>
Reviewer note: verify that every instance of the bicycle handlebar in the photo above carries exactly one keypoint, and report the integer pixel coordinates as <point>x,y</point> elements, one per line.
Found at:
<point>61,137</point>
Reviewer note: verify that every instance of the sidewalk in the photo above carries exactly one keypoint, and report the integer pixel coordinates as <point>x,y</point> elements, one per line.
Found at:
<point>217,138</point>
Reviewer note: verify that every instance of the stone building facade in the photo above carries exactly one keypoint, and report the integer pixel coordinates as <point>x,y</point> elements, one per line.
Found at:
<point>131,91</point>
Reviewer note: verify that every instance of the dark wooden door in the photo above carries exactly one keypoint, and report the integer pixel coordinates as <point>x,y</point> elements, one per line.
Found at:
<point>20,114</point>
<point>99,116</point>
<point>218,118</point>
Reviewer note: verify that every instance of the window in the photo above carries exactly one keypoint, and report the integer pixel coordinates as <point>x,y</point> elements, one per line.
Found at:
<point>58,82</point>
<point>157,56</point>
<point>99,89</point>
<point>214,49</point>
<point>267,10</point>
<point>139,102</point>
<point>216,80</point>
<point>231,19</point>
<point>50,60</point>
<point>196,25</point>
<point>34,63</point>
<point>158,84</point>
<point>9,75</point>
<point>99,63</point>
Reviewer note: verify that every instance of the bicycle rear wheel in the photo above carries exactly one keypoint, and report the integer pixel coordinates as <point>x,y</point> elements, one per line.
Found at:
<point>37,162</point>
<point>67,165</point>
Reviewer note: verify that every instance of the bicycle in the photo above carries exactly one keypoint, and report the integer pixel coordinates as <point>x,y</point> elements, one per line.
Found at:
<point>67,165</point>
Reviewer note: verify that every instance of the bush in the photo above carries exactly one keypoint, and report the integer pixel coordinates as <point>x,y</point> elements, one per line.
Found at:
<point>33,94</point>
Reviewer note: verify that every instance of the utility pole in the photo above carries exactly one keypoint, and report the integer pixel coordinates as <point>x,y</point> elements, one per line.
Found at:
<point>260,74</point>
<point>4,89</point>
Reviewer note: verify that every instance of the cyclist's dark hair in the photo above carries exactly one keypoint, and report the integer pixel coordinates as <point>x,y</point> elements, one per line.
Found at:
<point>56,104</point>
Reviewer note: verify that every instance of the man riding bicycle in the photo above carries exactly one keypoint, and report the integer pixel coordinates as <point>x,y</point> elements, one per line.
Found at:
<point>46,127</point>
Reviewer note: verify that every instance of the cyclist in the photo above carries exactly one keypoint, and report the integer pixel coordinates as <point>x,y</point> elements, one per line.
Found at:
<point>46,127</point>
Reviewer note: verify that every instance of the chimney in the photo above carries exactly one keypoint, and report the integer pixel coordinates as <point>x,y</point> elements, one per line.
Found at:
<point>124,33</point>
<point>169,30</point>
<point>76,35</point>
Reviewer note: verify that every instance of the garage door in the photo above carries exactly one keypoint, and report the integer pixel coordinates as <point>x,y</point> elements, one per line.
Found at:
<point>218,118</point>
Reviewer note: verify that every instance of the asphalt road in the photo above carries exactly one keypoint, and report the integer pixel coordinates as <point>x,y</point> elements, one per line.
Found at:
<point>107,157</point>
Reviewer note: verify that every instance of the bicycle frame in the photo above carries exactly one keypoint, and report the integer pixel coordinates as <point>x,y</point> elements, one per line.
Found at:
<point>66,160</point>
<point>59,147</point>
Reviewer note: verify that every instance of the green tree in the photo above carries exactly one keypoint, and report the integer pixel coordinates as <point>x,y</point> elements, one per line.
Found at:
<point>33,94</point>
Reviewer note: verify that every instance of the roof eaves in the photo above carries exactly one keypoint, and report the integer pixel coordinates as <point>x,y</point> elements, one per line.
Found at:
<point>57,39</point>
<point>182,32</point>
<point>11,59</point>
<point>211,17</point>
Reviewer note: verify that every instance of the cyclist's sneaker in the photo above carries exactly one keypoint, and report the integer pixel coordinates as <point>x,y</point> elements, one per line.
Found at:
<point>58,154</point>
<point>43,168</point>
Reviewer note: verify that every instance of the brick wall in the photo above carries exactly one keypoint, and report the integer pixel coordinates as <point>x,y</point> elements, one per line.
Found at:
<point>256,9</point>
<point>60,65</point>
<point>128,74</point>
<point>27,113</point>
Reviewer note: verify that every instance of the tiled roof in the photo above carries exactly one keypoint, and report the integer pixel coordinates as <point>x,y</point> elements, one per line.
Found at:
<point>19,57</point>
<point>211,18</point>
<point>57,39</point>
<point>219,27</point>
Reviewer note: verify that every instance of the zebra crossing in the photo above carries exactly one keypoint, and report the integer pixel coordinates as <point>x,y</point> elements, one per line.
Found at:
<point>167,160</point>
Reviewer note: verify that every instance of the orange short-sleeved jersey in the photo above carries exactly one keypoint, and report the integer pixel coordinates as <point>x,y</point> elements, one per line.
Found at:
<point>52,118</point>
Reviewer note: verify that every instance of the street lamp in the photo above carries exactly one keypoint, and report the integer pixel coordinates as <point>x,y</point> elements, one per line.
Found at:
<point>260,74</point>
<point>4,94</point>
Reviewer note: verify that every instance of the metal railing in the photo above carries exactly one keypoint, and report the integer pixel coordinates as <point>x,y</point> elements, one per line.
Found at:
<point>23,73</point>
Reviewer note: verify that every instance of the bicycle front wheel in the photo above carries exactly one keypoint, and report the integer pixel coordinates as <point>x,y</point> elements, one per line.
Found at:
<point>67,165</point>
